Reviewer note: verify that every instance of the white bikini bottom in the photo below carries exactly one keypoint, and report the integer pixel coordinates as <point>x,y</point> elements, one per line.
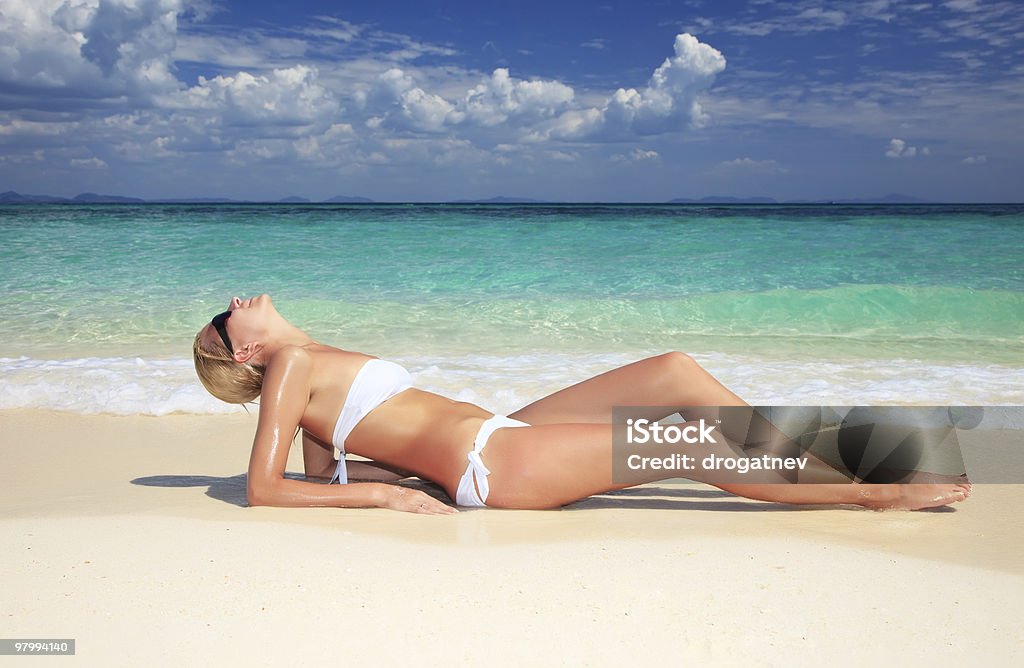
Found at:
<point>467,494</point>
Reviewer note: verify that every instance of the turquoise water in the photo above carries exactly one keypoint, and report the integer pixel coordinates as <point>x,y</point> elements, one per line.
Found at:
<point>844,304</point>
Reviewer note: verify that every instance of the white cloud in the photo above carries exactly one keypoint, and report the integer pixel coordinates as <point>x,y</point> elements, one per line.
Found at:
<point>544,109</point>
<point>18,127</point>
<point>243,49</point>
<point>900,149</point>
<point>88,163</point>
<point>751,166</point>
<point>289,96</point>
<point>36,156</point>
<point>120,56</point>
<point>89,49</point>
<point>426,111</point>
<point>792,17</point>
<point>433,150</point>
<point>336,29</point>
<point>963,5</point>
<point>572,124</point>
<point>996,22</point>
<point>407,106</point>
<point>980,159</point>
<point>968,59</point>
<point>501,97</point>
<point>331,95</point>
<point>636,155</point>
<point>308,148</point>
<point>880,10</point>
<point>455,152</point>
<point>597,43</point>
<point>668,103</point>
<point>342,132</point>
<point>247,151</point>
<point>824,17</point>
<point>561,156</point>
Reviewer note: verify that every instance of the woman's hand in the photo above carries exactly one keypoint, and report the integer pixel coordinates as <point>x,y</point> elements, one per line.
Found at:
<point>414,501</point>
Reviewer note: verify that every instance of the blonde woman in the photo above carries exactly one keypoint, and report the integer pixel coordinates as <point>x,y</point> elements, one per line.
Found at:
<point>552,452</point>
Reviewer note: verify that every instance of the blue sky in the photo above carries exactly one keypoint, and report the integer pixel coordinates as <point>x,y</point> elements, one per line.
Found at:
<point>571,101</point>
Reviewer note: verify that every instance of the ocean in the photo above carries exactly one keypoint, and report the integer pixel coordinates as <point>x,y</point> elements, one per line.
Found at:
<point>501,304</point>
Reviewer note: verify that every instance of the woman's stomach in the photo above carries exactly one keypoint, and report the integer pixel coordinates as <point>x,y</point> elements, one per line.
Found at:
<point>422,432</point>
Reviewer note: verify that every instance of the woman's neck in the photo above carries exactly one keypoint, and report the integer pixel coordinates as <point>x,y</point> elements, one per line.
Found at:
<point>287,335</point>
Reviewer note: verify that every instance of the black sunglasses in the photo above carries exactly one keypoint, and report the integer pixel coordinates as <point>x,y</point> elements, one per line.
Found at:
<point>218,324</point>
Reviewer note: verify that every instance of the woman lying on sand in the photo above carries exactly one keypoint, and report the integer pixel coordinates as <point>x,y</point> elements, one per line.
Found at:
<point>552,452</point>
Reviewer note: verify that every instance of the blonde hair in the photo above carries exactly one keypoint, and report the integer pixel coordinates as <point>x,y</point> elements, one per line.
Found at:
<point>223,377</point>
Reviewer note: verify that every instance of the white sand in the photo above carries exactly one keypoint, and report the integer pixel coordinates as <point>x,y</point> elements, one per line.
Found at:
<point>131,535</point>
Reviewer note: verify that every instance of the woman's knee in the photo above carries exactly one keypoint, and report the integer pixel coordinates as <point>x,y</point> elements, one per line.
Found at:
<point>681,377</point>
<point>677,363</point>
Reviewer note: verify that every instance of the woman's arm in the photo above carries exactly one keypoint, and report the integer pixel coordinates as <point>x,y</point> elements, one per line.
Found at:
<point>319,461</point>
<point>286,387</point>
<point>375,471</point>
<point>317,457</point>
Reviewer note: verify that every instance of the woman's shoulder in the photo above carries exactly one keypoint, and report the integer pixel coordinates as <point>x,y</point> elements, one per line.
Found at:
<point>320,354</point>
<point>290,356</point>
<point>322,366</point>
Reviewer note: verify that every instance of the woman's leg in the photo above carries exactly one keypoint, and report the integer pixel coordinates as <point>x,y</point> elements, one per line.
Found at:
<point>671,379</point>
<point>667,380</point>
<point>551,465</point>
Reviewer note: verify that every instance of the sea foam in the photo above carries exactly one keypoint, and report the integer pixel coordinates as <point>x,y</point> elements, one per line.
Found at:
<point>143,386</point>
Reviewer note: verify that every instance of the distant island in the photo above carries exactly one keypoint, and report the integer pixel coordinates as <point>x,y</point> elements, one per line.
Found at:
<point>11,197</point>
<point>344,199</point>
<point>724,200</point>
<point>499,200</point>
<point>894,198</point>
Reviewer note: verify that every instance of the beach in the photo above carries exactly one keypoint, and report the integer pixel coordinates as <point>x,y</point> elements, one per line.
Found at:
<point>132,536</point>
<point>122,482</point>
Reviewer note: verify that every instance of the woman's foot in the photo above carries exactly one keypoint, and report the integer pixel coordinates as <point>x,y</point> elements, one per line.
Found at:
<point>911,496</point>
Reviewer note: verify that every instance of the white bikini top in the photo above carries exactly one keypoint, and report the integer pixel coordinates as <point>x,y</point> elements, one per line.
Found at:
<point>377,381</point>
